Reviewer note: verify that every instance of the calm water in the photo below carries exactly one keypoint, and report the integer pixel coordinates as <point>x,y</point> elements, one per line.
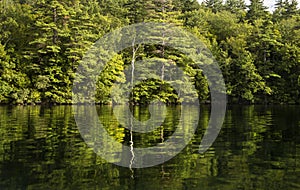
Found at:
<point>257,148</point>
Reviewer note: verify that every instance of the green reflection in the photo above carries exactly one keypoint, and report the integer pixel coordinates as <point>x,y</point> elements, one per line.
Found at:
<point>258,148</point>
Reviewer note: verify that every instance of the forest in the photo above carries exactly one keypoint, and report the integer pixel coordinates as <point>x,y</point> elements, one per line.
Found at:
<point>43,41</point>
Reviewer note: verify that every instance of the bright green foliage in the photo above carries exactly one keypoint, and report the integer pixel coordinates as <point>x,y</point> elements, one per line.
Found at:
<point>45,54</point>
<point>153,89</point>
<point>14,22</point>
<point>111,74</point>
<point>240,73</point>
<point>43,42</point>
<point>63,33</point>
<point>5,88</point>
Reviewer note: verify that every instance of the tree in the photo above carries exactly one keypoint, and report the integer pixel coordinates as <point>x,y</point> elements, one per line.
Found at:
<point>112,7</point>
<point>235,6</point>
<point>285,9</point>
<point>43,42</point>
<point>256,10</point>
<point>5,87</point>
<point>138,10</point>
<point>292,8</point>
<point>280,9</point>
<point>110,75</point>
<point>15,20</point>
<point>185,5</point>
<point>287,61</point>
<point>214,5</point>
<point>243,81</point>
<point>46,64</point>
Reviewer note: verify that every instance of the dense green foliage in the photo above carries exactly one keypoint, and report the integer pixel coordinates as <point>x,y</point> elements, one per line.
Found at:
<point>42,42</point>
<point>257,148</point>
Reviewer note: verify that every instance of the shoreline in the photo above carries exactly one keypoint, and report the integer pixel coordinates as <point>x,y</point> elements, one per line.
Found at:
<point>110,104</point>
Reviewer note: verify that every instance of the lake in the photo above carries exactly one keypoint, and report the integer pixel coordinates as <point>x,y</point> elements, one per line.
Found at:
<point>258,147</point>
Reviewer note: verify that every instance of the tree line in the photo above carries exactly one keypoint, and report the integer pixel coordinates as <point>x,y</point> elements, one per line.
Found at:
<point>42,43</point>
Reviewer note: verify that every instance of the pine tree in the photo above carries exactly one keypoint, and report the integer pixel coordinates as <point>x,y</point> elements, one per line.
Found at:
<point>46,64</point>
<point>111,7</point>
<point>235,6</point>
<point>256,10</point>
<point>292,8</point>
<point>138,10</point>
<point>280,10</point>
<point>214,5</point>
<point>86,25</point>
<point>185,5</point>
<point>285,9</point>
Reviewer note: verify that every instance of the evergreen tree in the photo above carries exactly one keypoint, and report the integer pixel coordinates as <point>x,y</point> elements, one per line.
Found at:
<point>292,8</point>
<point>46,55</point>
<point>185,5</point>
<point>42,43</point>
<point>235,6</point>
<point>280,9</point>
<point>138,10</point>
<point>285,9</point>
<point>214,5</point>
<point>256,10</point>
<point>111,7</point>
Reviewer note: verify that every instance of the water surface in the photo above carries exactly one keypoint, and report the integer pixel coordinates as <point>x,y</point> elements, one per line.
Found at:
<point>258,148</point>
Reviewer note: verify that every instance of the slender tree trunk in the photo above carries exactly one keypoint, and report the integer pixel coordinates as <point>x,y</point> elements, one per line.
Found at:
<point>163,56</point>
<point>133,63</point>
<point>134,51</point>
<point>163,44</point>
<point>131,149</point>
<point>55,35</point>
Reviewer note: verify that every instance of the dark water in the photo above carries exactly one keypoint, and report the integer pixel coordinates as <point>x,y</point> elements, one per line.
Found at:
<point>257,148</point>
